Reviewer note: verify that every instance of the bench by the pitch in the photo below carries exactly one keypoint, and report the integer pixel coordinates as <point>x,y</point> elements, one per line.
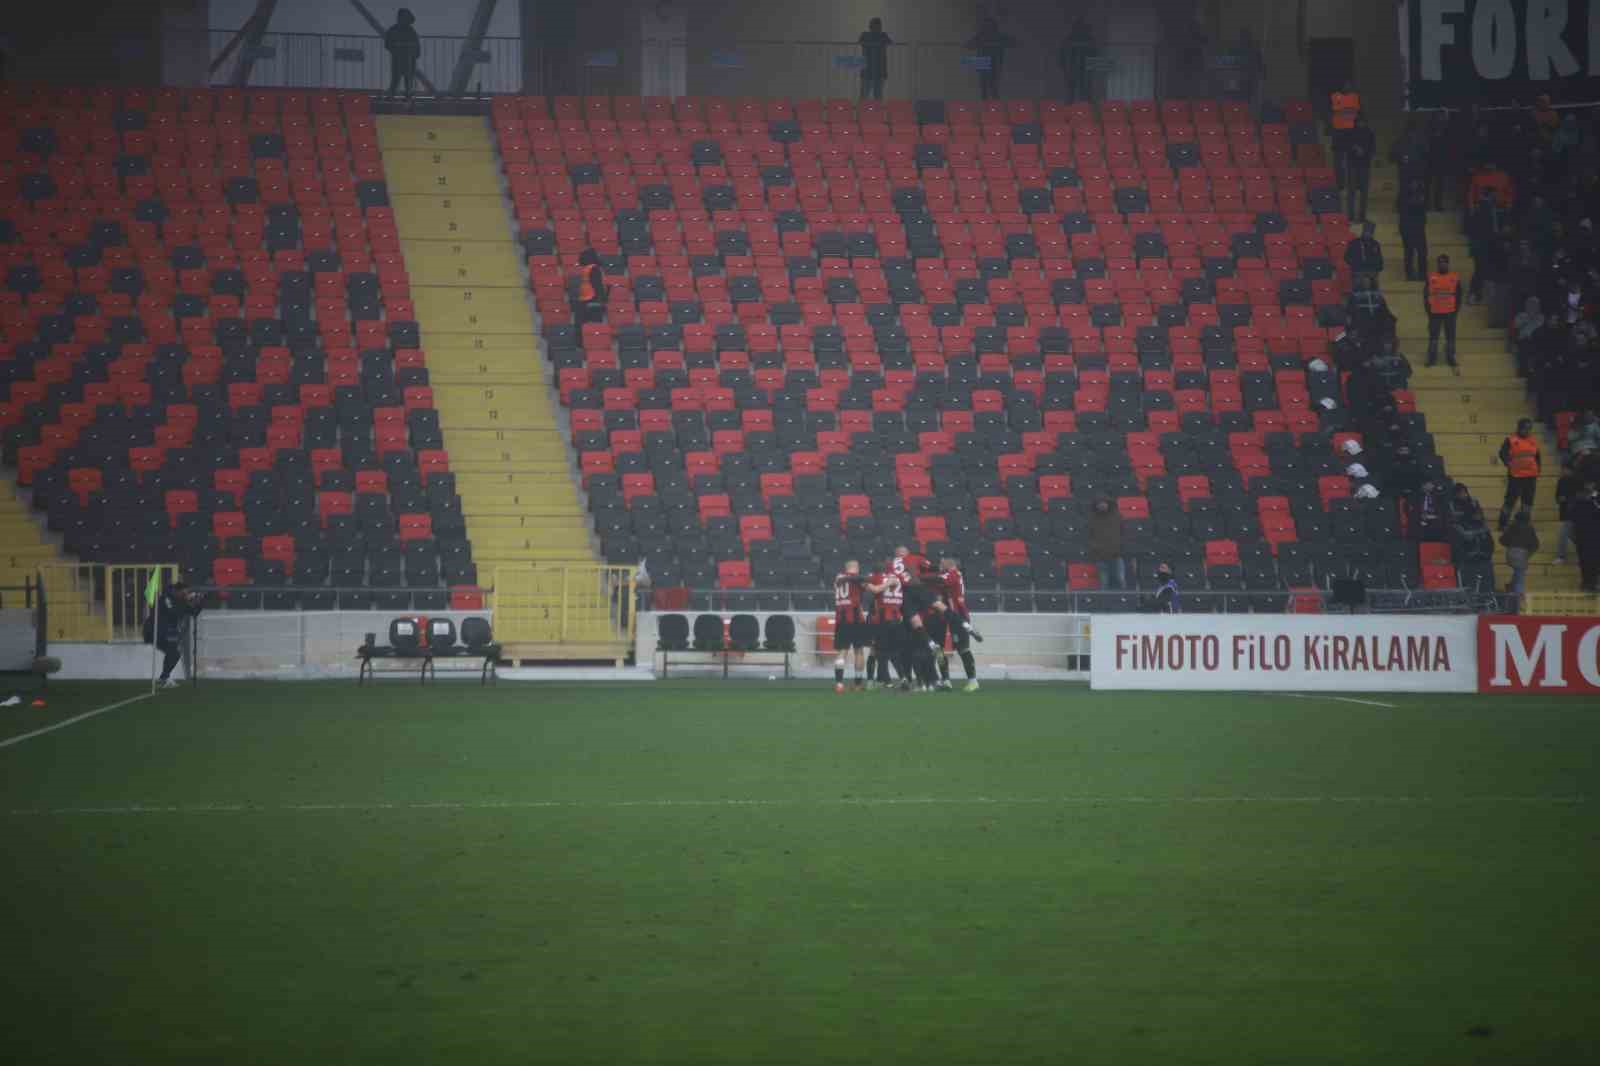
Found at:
<point>736,641</point>
<point>419,647</point>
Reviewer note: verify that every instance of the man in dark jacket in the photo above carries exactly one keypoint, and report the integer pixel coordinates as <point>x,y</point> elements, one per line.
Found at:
<point>1585,511</point>
<point>1414,229</point>
<point>1165,600</point>
<point>874,60</point>
<point>1103,545</point>
<point>405,48</point>
<point>1360,147</point>
<point>1364,255</point>
<point>176,605</point>
<point>1567,489</point>
<point>1483,229</point>
<point>991,43</point>
<point>1076,51</point>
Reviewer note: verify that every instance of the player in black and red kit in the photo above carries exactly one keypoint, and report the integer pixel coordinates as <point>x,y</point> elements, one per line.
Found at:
<point>850,631</point>
<point>958,621</point>
<point>887,597</point>
<point>922,587</point>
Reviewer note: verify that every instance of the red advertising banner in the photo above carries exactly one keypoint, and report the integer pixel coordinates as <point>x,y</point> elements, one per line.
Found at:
<point>1555,655</point>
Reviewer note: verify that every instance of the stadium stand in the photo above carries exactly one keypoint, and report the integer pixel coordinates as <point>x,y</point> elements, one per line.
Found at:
<point>210,353</point>
<point>835,327</point>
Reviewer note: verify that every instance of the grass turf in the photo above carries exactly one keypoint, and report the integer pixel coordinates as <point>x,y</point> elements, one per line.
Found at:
<point>758,873</point>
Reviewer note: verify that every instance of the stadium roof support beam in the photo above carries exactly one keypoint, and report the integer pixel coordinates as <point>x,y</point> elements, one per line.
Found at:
<point>471,48</point>
<point>377,27</point>
<point>250,37</point>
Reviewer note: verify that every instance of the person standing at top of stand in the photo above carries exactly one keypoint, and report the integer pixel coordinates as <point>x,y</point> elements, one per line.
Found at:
<point>991,44</point>
<point>1343,107</point>
<point>404,48</point>
<point>874,60</point>
<point>1074,56</point>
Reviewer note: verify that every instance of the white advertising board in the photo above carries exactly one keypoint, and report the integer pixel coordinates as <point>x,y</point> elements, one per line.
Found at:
<point>1329,653</point>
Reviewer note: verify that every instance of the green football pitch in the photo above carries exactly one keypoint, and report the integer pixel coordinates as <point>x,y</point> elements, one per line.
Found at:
<point>747,873</point>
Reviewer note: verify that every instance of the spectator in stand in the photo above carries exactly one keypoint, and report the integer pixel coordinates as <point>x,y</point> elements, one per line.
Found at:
<point>1431,515</point>
<point>1566,143</point>
<point>1585,511</point>
<point>1490,176</point>
<point>1519,454</point>
<point>1583,440</point>
<point>1343,107</point>
<point>1414,229</point>
<point>404,48</point>
<point>1520,542</point>
<point>1166,597</point>
<point>1103,545</point>
<point>1359,148</point>
<point>589,289</point>
<point>1483,230</point>
<point>1445,155</point>
<point>1464,510</point>
<point>1567,488</point>
<point>1539,225</point>
<point>1391,367</point>
<point>874,60</point>
<point>1364,255</point>
<point>1529,321</point>
<point>1545,117</point>
<point>1441,299</point>
<point>991,43</point>
<point>1073,57</point>
<point>1368,312</point>
<point>1409,154</point>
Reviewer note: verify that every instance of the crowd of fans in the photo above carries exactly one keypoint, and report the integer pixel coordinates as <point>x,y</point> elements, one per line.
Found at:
<point>1526,187</point>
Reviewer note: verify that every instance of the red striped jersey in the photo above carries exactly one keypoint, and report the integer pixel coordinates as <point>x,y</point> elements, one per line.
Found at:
<point>887,607</point>
<point>847,597</point>
<point>955,590</point>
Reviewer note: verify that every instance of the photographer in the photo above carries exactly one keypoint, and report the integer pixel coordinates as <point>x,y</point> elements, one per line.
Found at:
<point>177,605</point>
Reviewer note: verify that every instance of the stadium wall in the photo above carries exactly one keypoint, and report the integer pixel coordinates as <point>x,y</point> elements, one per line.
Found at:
<point>1015,646</point>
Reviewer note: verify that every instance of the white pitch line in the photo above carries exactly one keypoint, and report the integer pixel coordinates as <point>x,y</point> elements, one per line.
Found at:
<point>19,738</point>
<point>1336,699</point>
<point>863,801</point>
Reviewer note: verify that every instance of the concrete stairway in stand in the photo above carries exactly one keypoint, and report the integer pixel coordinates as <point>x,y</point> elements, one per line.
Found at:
<point>513,469</point>
<point>1471,412</point>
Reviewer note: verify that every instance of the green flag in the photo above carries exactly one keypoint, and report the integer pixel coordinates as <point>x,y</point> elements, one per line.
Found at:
<point>152,588</point>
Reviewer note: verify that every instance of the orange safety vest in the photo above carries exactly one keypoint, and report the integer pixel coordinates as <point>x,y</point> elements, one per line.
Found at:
<point>1345,107</point>
<point>1524,458</point>
<point>1443,292</point>
<point>586,289</point>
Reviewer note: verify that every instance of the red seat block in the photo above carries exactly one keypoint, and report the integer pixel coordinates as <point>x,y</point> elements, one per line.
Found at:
<point>415,527</point>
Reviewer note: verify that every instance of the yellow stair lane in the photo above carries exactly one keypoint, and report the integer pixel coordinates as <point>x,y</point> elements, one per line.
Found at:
<point>512,465</point>
<point>22,545</point>
<point>1469,413</point>
<point>531,537</point>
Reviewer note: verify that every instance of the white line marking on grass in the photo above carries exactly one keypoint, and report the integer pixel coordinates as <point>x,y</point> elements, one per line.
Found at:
<point>1336,699</point>
<point>19,738</point>
<point>848,801</point>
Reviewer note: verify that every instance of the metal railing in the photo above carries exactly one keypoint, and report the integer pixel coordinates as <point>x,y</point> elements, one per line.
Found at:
<point>100,603</point>
<point>563,605</point>
<point>359,61</point>
<point>1108,601</point>
<point>821,69</point>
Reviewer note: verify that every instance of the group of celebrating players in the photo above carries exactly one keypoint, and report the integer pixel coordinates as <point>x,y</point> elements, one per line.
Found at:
<point>898,617</point>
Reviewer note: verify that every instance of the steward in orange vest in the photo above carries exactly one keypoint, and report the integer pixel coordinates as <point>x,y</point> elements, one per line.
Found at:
<point>1442,299</point>
<point>588,289</point>
<point>1343,107</point>
<point>1520,455</point>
